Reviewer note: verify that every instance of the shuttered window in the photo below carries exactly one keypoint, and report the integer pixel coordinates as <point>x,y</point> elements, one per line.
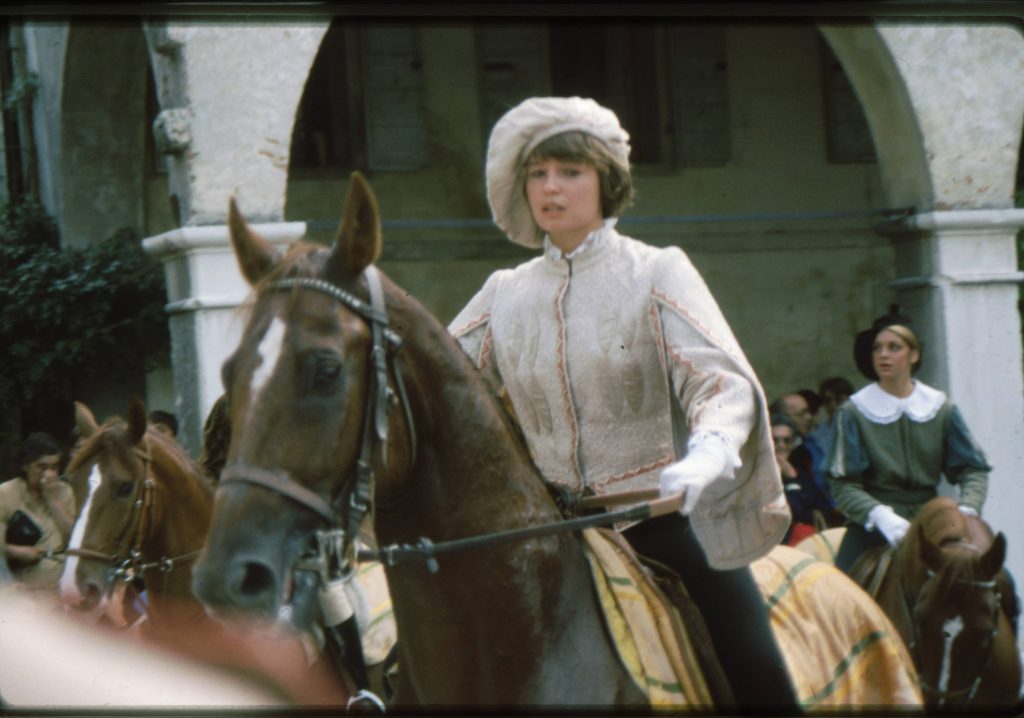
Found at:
<point>393,97</point>
<point>698,74</point>
<point>363,102</point>
<point>847,135</point>
<point>512,64</point>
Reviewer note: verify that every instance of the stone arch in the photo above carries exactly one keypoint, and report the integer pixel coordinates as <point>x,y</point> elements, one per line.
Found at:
<point>102,131</point>
<point>227,132</point>
<point>887,105</point>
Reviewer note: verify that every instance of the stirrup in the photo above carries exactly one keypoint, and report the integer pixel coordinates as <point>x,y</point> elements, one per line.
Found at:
<point>364,697</point>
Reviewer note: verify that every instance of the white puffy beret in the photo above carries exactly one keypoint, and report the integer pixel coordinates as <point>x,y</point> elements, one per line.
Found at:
<point>518,133</point>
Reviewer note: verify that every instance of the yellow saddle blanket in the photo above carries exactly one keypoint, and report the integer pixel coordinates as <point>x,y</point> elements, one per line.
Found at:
<point>840,648</point>
<point>648,634</point>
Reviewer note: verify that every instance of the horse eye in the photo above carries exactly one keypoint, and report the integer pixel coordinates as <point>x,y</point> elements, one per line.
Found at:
<point>326,374</point>
<point>124,488</point>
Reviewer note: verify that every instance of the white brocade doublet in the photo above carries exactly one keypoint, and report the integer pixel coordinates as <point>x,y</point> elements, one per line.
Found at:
<point>590,350</point>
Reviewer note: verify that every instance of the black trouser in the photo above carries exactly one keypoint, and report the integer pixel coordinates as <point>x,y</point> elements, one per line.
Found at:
<point>856,541</point>
<point>733,610</point>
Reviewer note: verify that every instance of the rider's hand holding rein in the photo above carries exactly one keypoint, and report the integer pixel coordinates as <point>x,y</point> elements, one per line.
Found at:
<point>709,458</point>
<point>893,526</point>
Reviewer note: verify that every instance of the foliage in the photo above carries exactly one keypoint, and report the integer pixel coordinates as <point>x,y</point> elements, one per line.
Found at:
<point>68,314</point>
<point>21,91</point>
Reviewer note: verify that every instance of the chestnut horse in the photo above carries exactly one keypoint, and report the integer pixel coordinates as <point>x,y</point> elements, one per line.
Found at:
<point>348,400</point>
<point>947,593</point>
<point>146,512</point>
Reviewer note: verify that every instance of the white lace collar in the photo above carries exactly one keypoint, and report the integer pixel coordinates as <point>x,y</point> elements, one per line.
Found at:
<point>592,239</point>
<point>882,407</point>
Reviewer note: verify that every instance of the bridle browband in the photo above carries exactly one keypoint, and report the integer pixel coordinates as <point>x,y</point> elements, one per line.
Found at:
<point>345,512</point>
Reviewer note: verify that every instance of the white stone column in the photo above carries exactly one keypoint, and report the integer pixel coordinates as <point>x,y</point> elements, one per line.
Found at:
<point>204,291</point>
<point>957,278</point>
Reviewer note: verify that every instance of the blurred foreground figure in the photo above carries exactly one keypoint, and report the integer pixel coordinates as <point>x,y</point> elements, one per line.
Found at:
<point>107,668</point>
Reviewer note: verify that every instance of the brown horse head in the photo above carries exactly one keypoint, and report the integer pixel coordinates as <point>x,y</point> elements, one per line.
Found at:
<point>958,620</point>
<point>141,497</point>
<point>297,388</point>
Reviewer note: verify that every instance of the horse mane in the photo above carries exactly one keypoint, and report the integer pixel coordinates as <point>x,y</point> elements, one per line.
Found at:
<point>176,453</point>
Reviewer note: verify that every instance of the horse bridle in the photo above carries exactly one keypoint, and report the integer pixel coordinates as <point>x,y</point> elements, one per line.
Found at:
<point>987,650</point>
<point>345,512</point>
<point>128,564</point>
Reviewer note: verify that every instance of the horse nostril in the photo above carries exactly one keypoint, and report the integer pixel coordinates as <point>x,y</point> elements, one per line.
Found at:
<point>91,596</point>
<point>257,579</point>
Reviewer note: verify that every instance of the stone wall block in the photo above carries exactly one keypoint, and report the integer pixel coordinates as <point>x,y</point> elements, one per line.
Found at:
<point>172,130</point>
<point>168,39</point>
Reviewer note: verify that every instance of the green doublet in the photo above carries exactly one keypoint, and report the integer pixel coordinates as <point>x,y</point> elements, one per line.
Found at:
<point>897,456</point>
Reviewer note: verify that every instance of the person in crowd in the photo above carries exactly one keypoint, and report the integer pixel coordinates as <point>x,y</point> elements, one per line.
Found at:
<point>833,391</point>
<point>37,512</point>
<point>795,406</point>
<point>216,438</point>
<point>165,422</point>
<point>624,374</point>
<point>811,508</point>
<point>894,440</point>
<point>813,400</point>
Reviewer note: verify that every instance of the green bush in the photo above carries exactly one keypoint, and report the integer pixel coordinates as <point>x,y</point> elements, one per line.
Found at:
<point>73,313</point>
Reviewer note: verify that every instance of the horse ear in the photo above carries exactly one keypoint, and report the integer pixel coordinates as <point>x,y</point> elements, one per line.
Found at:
<point>84,420</point>
<point>931,555</point>
<point>137,420</point>
<point>253,253</point>
<point>992,560</point>
<point>357,244</point>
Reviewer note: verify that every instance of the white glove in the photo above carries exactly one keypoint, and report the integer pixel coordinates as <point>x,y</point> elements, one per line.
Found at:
<point>891,524</point>
<point>967,510</point>
<point>707,460</point>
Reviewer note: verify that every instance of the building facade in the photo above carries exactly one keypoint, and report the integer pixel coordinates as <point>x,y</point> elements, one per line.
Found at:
<point>816,172</point>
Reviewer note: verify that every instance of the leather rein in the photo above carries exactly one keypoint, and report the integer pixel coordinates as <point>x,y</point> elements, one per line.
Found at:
<point>337,551</point>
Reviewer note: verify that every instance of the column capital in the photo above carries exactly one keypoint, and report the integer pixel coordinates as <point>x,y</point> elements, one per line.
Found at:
<point>215,236</point>
<point>1000,221</point>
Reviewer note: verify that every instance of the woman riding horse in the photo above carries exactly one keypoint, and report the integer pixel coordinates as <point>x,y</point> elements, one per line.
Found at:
<point>624,374</point>
<point>893,440</point>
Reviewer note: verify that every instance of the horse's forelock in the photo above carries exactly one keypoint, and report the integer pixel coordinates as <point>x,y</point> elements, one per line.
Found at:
<point>303,259</point>
<point>942,521</point>
<point>92,445</point>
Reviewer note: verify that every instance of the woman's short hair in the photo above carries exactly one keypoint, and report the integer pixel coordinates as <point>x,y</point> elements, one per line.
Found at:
<point>615,181</point>
<point>35,446</point>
